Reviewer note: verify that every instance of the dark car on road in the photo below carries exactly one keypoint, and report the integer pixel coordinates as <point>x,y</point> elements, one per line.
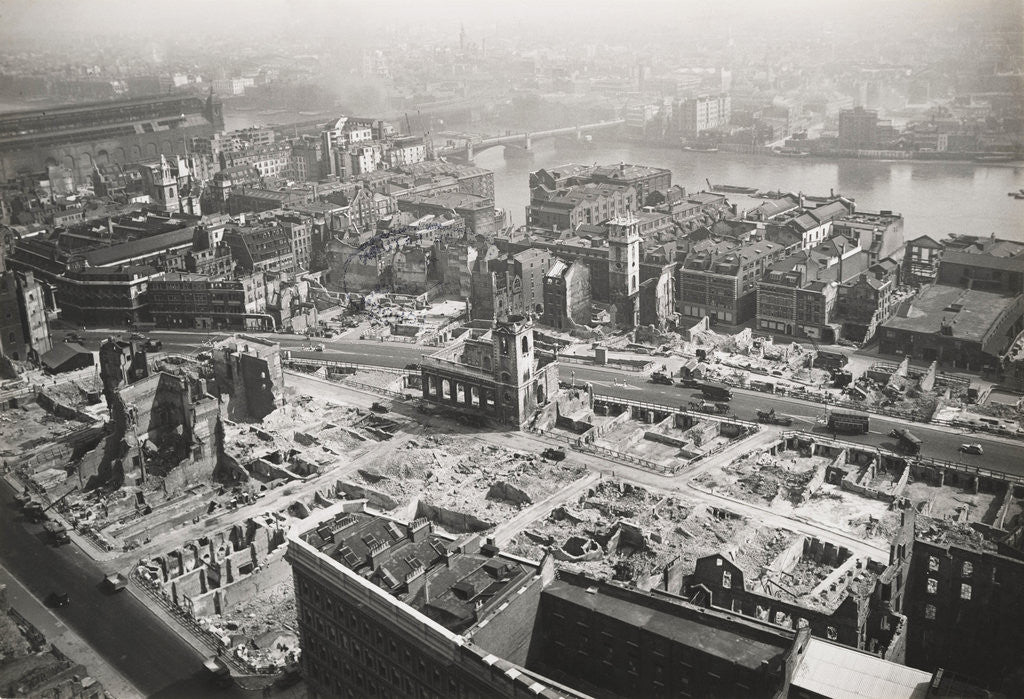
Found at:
<point>58,599</point>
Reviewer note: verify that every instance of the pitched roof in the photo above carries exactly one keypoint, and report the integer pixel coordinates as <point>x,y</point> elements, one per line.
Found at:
<point>61,353</point>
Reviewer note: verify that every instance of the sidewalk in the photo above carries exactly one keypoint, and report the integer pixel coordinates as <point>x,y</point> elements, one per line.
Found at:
<point>69,642</point>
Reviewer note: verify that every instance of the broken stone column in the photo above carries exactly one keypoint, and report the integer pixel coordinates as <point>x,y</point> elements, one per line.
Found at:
<point>928,380</point>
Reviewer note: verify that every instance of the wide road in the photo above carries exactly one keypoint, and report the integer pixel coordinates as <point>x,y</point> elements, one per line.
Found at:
<point>939,442</point>
<point>116,625</point>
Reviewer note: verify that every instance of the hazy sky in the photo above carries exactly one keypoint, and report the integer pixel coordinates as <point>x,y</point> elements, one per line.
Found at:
<point>52,23</point>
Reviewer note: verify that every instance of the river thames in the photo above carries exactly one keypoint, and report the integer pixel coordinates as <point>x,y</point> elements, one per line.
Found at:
<point>935,198</point>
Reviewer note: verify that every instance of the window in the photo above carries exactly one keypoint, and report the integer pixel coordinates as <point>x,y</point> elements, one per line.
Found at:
<point>933,586</point>
<point>832,633</point>
<point>968,568</point>
<point>965,591</point>
<point>929,611</point>
<point>726,579</point>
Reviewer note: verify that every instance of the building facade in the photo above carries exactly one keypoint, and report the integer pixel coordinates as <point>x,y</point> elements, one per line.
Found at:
<point>499,375</point>
<point>566,295</point>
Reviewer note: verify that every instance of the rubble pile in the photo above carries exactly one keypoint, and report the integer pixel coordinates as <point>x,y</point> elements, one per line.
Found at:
<point>639,532</point>
<point>461,475</point>
<point>761,477</point>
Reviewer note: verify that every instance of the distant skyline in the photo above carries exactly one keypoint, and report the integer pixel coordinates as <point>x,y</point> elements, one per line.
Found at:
<point>26,21</point>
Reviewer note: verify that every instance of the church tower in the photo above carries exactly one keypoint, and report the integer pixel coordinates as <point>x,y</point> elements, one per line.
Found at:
<point>624,268</point>
<point>512,347</point>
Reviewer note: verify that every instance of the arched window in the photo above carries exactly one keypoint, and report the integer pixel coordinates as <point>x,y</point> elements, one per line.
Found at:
<point>526,344</point>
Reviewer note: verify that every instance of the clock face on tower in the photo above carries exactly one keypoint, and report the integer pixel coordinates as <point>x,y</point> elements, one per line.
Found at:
<point>618,265</point>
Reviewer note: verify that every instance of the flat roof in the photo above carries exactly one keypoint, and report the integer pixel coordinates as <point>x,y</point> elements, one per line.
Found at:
<point>149,245</point>
<point>729,644</point>
<point>841,672</point>
<point>970,312</point>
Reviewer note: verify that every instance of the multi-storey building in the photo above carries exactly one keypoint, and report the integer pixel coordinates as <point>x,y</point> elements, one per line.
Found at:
<point>865,303</point>
<point>797,295</point>
<point>643,179</point>
<point>24,323</point>
<point>122,131</point>
<point>406,151</point>
<point>573,206</point>
<point>964,608</point>
<point>478,212</point>
<point>921,260</point>
<point>179,300</point>
<point>300,232</point>
<point>721,283</point>
<point>512,285</point>
<point>962,327</point>
<point>566,295</point>
<point>996,266</point>
<point>263,247</point>
<point>879,234</point>
<point>858,129</point>
<point>254,199</point>
<point>469,178</point>
<point>106,296</point>
<point>389,608</point>
<point>270,160</point>
<point>702,113</point>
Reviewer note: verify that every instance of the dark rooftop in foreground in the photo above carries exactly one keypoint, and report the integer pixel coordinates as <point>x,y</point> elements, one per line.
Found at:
<point>429,572</point>
<point>731,639</point>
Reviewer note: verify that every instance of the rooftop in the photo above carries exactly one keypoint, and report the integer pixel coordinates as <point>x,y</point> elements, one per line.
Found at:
<point>429,572</point>
<point>832,670</point>
<point>732,639</point>
<point>149,245</point>
<point>970,313</point>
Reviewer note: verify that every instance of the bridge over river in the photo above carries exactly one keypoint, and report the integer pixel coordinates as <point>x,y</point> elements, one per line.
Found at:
<point>465,152</point>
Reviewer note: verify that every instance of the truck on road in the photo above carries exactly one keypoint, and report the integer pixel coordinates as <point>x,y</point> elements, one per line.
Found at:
<point>847,423</point>
<point>824,359</point>
<point>715,391</point>
<point>909,442</point>
<point>704,406</point>
<point>770,417</point>
<point>57,532</point>
<point>115,582</point>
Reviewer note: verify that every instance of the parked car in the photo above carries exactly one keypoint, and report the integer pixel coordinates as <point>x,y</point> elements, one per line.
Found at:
<point>972,449</point>
<point>659,377</point>
<point>379,408</point>
<point>554,454</point>
<point>58,599</point>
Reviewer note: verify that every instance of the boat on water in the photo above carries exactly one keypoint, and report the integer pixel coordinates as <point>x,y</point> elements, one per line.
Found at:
<point>790,152</point>
<point>697,149</point>
<point>733,189</point>
<point>996,158</point>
